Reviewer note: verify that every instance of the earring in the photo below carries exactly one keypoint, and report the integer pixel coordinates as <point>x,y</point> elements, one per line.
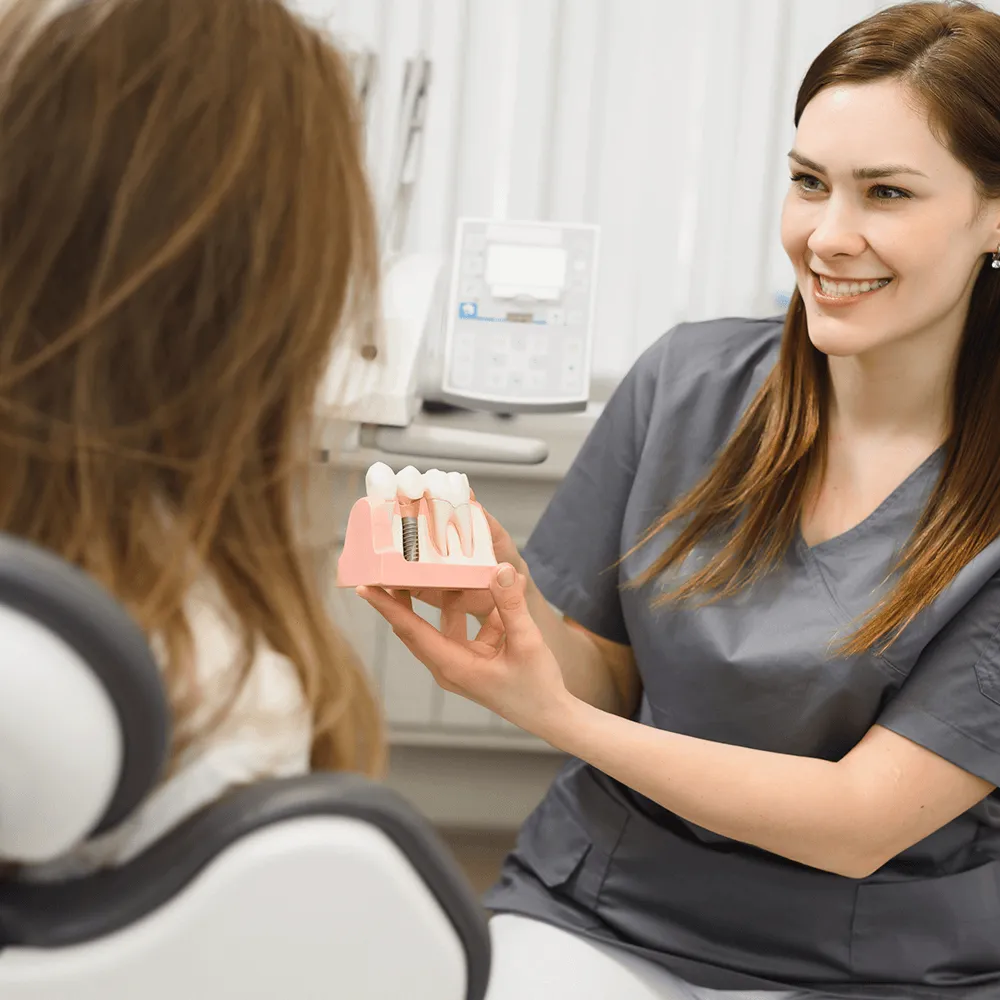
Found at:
<point>996,259</point>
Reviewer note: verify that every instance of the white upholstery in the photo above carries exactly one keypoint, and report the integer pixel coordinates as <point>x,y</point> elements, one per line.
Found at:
<point>312,909</point>
<point>60,744</point>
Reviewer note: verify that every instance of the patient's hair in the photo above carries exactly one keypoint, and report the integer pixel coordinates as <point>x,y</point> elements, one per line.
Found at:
<point>185,227</point>
<point>948,55</point>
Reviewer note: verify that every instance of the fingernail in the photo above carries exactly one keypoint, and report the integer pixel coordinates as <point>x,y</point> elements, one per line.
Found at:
<point>506,576</point>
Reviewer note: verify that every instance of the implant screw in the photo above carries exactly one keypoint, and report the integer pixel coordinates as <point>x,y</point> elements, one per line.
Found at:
<point>411,542</point>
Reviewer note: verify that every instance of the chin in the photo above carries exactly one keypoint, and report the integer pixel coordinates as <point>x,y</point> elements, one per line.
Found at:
<point>838,339</point>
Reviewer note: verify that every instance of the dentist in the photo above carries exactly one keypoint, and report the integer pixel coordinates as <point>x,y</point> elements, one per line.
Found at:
<point>778,555</point>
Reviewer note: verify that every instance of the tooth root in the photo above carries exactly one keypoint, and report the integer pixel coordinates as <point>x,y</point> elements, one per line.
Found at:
<point>442,517</point>
<point>459,493</point>
<point>438,507</point>
<point>463,516</point>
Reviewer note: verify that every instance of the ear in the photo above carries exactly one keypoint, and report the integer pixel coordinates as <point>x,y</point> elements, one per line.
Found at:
<point>991,244</point>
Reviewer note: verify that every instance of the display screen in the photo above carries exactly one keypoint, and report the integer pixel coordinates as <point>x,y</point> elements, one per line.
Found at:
<point>512,266</point>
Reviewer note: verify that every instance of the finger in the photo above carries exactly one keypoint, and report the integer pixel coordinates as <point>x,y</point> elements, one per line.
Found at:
<point>507,587</point>
<point>436,651</point>
<point>453,623</point>
<point>403,598</point>
<point>400,597</point>
<point>432,598</point>
<point>492,631</point>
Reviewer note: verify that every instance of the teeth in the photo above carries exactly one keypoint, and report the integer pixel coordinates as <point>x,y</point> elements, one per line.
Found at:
<point>436,484</point>
<point>837,289</point>
<point>449,498</point>
<point>459,494</point>
<point>380,482</point>
<point>410,483</point>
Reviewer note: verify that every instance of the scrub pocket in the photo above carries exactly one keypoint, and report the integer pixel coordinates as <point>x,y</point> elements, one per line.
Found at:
<point>988,669</point>
<point>937,931</point>
<point>569,838</point>
<point>728,904</point>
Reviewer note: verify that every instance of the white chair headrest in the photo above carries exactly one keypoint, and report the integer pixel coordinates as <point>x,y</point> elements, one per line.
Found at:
<point>84,721</point>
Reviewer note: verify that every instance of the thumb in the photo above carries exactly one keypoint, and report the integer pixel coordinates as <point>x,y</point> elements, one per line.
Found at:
<point>508,588</point>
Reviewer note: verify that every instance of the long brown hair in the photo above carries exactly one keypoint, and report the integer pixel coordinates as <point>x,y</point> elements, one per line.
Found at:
<point>185,226</point>
<point>948,55</point>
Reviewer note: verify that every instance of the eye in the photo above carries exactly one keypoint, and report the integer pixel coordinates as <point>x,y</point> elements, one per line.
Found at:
<point>810,184</point>
<point>805,182</point>
<point>882,192</point>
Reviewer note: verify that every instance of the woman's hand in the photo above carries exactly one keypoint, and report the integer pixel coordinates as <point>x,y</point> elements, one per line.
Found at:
<point>507,668</point>
<point>478,603</point>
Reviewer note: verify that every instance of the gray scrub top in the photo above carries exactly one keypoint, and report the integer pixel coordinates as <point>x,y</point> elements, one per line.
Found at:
<point>600,859</point>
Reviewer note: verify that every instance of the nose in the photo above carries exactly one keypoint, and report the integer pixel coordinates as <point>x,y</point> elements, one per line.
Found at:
<point>837,231</point>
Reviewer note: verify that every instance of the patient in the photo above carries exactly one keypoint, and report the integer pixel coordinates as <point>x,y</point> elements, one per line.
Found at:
<point>184,228</point>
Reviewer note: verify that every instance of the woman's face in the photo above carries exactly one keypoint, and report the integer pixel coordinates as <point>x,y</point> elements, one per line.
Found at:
<point>883,225</point>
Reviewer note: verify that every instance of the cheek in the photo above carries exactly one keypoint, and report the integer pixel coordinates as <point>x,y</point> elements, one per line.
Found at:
<point>795,227</point>
<point>926,247</point>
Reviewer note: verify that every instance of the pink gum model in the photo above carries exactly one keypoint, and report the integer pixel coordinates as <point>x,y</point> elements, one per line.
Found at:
<point>370,559</point>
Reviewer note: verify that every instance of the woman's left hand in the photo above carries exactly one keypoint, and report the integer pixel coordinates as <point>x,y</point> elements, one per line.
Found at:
<point>507,668</point>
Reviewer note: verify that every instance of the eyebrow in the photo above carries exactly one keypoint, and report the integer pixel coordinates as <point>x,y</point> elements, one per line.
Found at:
<point>860,173</point>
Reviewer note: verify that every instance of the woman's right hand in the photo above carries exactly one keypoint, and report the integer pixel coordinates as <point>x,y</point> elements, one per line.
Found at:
<point>597,671</point>
<point>478,603</point>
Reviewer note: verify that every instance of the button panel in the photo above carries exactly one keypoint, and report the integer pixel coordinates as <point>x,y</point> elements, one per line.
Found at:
<point>520,349</point>
<point>542,365</point>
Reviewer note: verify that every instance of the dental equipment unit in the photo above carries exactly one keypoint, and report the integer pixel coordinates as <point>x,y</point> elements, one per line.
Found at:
<point>505,326</point>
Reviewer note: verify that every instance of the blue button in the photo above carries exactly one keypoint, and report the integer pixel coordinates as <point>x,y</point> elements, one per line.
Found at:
<point>468,310</point>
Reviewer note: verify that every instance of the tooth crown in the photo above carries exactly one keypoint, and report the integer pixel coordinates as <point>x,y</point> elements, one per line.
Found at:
<point>380,482</point>
<point>414,530</point>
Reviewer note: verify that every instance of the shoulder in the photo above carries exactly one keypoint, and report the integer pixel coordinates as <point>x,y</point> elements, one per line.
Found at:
<point>719,348</point>
<point>701,377</point>
<point>964,617</point>
<point>267,682</point>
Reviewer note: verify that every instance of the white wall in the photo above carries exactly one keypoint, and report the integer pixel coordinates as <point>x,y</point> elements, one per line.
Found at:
<point>666,123</point>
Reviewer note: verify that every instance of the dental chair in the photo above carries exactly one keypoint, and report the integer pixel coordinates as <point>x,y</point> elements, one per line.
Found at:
<point>312,888</point>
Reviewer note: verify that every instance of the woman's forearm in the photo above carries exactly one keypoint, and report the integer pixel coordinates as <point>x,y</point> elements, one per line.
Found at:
<point>798,807</point>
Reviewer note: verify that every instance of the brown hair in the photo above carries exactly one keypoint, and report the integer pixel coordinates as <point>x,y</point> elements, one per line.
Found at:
<point>948,55</point>
<point>184,227</point>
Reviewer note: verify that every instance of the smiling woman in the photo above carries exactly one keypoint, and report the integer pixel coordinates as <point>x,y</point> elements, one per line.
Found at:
<point>921,220</point>
<point>780,552</point>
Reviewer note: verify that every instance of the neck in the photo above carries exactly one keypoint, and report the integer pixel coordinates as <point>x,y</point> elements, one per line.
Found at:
<point>898,392</point>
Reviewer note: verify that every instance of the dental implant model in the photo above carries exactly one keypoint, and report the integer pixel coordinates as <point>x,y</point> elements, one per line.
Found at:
<point>415,532</point>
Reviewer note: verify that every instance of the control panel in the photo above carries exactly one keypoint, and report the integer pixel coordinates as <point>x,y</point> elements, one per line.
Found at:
<point>520,316</point>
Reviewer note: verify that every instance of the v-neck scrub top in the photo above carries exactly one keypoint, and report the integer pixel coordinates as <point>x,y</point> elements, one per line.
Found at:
<point>760,670</point>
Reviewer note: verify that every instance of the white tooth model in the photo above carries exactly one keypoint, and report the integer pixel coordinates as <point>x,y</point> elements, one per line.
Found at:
<point>417,532</point>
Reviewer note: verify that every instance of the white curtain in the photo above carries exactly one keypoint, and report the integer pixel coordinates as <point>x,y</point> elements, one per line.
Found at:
<point>665,123</point>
